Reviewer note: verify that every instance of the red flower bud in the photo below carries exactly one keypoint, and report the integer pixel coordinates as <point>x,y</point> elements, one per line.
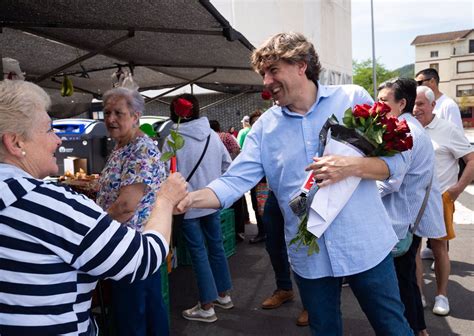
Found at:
<point>183,108</point>
<point>266,95</point>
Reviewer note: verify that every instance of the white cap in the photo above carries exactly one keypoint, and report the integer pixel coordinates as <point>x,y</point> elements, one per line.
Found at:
<point>245,119</point>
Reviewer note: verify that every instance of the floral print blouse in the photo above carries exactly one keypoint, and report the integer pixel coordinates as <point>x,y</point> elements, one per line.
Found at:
<point>137,162</point>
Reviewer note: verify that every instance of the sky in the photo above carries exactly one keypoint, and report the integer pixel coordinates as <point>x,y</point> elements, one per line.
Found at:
<point>398,22</point>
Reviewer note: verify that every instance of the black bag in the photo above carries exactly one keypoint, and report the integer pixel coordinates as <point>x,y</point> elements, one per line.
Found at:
<point>178,219</point>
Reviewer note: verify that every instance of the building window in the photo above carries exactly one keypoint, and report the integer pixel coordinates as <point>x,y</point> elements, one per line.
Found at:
<point>465,66</point>
<point>434,53</point>
<point>435,66</point>
<point>471,46</point>
<point>464,90</point>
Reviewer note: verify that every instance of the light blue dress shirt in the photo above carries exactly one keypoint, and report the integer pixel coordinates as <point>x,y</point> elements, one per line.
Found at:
<point>279,146</point>
<point>404,192</point>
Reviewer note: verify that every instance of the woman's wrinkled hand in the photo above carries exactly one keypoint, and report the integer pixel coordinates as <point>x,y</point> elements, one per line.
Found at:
<point>174,189</point>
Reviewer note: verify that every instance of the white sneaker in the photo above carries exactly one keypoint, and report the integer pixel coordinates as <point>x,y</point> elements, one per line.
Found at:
<point>423,301</point>
<point>426,253</point>
<point>441,306</point>
<point>196,313</point>
<point>224,302</point>
<point>432,266</point>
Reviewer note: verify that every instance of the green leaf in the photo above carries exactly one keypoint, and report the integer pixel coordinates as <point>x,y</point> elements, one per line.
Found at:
<point>170,143</point>
<point>166,156</point>
<point>378,136</point>
<point>174,135</point>
<point>179,142</point>
<point>362,121</point>
<point>348,121</point>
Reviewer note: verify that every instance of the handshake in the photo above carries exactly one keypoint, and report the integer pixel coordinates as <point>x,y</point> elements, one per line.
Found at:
<point>174,191</point>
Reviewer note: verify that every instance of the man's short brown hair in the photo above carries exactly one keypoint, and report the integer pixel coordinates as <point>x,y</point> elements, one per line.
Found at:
<point>289,47</point>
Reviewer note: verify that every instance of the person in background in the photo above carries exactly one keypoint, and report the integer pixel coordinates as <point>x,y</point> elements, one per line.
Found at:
<point>403,196</point>
<point>227,139</point>
<point>243,132</point>
<point>450,145</point>
<point>232,131</point>
<point>202,227</point>
<point>262,184</point>
<point>233,148</point>
<point>55,244</point>
<point>128,184</point>
<point>282,146</point>
<point>276,247</point>
<point>445,107</point>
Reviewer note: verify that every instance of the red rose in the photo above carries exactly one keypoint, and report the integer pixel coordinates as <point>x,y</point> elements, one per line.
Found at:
<point>390,123</point>
<point>379,108</point>
<point>402,127</point>
<point>404,144</point>
<point>390,145</point>
<point>266,95</point>
<point>183,108</point>
<point>361,111</point>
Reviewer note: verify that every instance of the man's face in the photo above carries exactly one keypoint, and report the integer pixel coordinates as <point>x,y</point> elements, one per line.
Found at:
<point>284,81</point>
<point>423,110</point>
<point>426,81</point>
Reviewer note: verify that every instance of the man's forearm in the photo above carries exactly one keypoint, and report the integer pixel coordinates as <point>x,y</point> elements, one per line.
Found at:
<point>204,198</point>
<point>371,168</point>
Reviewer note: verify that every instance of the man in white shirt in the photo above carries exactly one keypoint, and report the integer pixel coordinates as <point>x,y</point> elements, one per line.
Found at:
<point>450,145</point>
<point>445,107</point>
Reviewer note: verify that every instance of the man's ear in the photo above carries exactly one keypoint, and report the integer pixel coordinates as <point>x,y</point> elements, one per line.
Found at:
<point>302,66</point>
<point>13,144</point>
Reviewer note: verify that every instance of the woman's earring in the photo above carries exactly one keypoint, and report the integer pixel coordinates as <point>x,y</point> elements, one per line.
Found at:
<point>23,153</point>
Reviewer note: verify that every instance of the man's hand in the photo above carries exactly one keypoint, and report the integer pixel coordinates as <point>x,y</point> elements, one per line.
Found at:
<point>334,168</point>
<point>331,169</point>
<point>454,192</point>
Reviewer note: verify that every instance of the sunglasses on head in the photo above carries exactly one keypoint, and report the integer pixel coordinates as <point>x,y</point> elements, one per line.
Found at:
<point>420,82</point>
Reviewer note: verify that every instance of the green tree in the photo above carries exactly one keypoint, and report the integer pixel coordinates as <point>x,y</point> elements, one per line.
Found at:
<point>362,74</point>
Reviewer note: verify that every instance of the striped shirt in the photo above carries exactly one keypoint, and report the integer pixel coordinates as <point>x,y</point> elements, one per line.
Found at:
<point>403,193</point>
<point>54,246</point>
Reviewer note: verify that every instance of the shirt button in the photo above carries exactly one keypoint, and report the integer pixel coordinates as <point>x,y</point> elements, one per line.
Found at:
<point>308,142</point>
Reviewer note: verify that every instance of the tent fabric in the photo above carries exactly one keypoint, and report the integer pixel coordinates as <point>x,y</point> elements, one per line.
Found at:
<point>165,43</point>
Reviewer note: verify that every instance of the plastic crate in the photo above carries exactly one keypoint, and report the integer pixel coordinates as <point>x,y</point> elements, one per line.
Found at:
<point>228,238</point>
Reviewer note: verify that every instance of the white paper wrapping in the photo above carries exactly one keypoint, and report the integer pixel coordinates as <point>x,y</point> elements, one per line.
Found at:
<point>329,201</point>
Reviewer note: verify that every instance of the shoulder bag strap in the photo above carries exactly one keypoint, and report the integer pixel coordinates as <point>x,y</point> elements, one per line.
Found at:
<point>423,206</point>
<point>200,159</point>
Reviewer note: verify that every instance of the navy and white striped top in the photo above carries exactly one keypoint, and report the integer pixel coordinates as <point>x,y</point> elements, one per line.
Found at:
<point>54,246</point>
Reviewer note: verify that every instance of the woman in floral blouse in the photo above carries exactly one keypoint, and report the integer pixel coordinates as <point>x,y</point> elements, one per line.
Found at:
<point>128,185</point>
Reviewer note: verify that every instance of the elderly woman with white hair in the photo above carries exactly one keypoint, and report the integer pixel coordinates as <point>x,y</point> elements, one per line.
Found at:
<point>128,183</point>
<point>55,243</point>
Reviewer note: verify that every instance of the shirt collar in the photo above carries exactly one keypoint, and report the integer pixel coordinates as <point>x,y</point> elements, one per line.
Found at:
<point>324,91</point>
<point>433,122</point>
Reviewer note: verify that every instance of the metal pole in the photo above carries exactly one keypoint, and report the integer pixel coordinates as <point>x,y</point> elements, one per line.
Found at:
<point>374,61</point>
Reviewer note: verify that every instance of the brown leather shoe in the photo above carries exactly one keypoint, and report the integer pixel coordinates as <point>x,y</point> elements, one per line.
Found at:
<point>279,297</point>
<point>302,320</point>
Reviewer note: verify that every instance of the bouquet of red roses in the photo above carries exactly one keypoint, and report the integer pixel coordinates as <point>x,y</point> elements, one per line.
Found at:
<point>368,129</point>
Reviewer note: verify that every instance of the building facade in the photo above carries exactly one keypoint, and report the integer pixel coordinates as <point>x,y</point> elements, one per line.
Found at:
<point>452,54</point>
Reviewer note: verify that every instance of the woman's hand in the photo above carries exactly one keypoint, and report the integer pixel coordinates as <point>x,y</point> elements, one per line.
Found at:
<point>173,189</point>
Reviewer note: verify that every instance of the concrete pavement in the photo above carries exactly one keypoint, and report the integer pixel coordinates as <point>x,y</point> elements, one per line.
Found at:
<point>253,281</point>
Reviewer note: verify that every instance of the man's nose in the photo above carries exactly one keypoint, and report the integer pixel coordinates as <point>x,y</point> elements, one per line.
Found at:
<point>267,79</point>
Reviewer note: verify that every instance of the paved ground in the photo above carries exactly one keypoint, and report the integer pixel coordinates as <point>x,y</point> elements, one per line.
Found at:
<point>253,281</point>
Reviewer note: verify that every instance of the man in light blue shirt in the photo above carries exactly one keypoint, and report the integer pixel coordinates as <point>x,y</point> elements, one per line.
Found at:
<point>282,146</point>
